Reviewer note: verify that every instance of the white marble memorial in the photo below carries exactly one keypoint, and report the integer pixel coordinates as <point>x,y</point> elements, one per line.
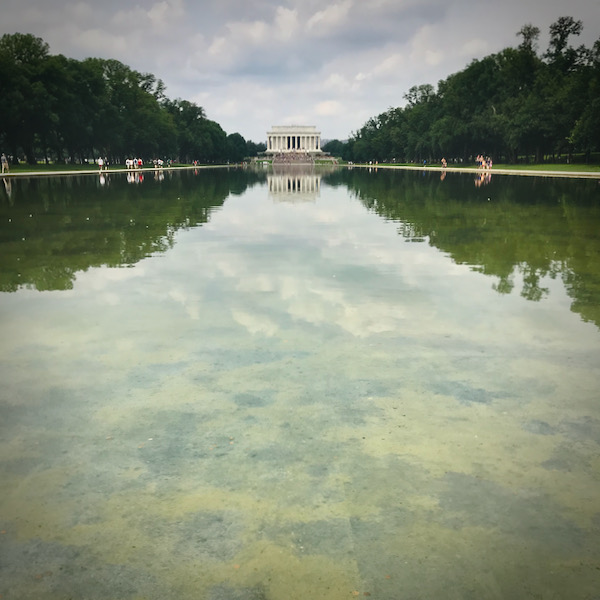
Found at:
<point>293,138</point>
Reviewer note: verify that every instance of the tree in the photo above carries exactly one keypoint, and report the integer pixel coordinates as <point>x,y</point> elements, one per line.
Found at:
<point>23,97</point>
<point>530,35</point>
<point>559,53</point>
<point>586,130</point>
<point>188,119</point>
<point>418,94</point>
<point>236,148</point>
<point>334,147</point>
<point>253,149</point>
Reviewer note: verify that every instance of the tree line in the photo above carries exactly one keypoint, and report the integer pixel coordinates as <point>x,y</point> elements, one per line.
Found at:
<point>515,105</point>
<point>66,110</point>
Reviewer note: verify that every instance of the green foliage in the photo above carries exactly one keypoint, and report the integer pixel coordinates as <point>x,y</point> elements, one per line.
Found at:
<point>236,147</point>
<point>507,105</point>
<point>54,227</point>
<point>253,149</point>
<point>62,110</point>
<point>501,230</point>
<point>335,148</point>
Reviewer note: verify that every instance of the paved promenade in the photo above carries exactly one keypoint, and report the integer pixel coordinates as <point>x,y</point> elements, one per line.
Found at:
<point>473,170</point>
<point>96,171</point>
<point>493,171</point>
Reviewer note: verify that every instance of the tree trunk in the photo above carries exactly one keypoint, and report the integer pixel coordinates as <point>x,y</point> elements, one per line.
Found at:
<point>30,156</point>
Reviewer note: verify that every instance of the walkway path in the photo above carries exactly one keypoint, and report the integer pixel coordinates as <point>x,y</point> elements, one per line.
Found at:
<point>108,171</point>
<point>474,170</point>
<point>493,171</point>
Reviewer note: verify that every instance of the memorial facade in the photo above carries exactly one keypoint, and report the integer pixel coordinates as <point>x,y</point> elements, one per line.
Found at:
<point>293,138</point>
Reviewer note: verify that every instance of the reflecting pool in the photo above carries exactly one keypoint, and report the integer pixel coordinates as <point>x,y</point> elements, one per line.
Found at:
<point>240,385</point>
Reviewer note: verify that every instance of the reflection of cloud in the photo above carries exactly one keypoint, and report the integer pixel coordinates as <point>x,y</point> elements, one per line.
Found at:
<point>326,306</point>
<point>103,277</point>
<point>255,323</point>
<point>303,277</point>
<point>327,266</point>
<point>259,283</point>
<point>192,308</point>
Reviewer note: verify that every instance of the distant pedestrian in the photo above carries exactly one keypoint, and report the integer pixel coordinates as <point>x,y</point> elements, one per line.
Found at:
<point>101,163</point>
<point>4,160</point>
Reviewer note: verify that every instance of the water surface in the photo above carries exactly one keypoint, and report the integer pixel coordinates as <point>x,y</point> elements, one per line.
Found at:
<point>233,385</point>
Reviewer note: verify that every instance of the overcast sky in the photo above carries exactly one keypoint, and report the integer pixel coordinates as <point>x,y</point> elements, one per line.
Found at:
<point>252,64</point>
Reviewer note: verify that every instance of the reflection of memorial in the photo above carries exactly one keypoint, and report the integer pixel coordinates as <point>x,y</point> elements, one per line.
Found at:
<point>294,184</point>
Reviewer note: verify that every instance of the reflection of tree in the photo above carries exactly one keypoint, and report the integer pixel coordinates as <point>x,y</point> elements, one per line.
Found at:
<point>55,227</point>
<point>525,228</point>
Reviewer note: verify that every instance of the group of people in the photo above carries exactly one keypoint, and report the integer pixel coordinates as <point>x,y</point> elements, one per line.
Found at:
<point>286,158</point>
<point>483,162</point>
<point>133,163</point>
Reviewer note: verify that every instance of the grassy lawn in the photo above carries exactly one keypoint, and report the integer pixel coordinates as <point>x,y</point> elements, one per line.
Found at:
<point>57,167</point>
<point>42,167</point>
<point>572,168</point>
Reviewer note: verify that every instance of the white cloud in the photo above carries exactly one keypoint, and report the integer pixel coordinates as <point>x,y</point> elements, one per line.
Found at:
<point>83,11</point>
<point>475,47</point>
<point>166,12</point>
<point>286,24</point>
<point>390,65</point>
<point>256,32</point>
<point>323,21</point>
<point>218,47</point>
<point>96,42</point>
<point>328,108</point>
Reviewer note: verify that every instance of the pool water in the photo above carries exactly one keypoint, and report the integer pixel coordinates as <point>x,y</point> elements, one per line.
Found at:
<point>238,385</point>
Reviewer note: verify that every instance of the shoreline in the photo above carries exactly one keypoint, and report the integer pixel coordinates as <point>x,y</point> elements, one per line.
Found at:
<point>110,171</point>
<point>438,169</point>
<point>492,171</point>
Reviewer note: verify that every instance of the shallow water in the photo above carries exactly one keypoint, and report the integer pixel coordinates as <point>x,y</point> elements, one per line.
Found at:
<point>230,385</point>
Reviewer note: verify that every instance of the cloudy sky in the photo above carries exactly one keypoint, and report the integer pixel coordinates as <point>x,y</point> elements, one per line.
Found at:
<point>252,64</point>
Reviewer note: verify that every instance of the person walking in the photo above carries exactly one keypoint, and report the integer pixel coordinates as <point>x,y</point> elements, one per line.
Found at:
<point>4,161</point>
